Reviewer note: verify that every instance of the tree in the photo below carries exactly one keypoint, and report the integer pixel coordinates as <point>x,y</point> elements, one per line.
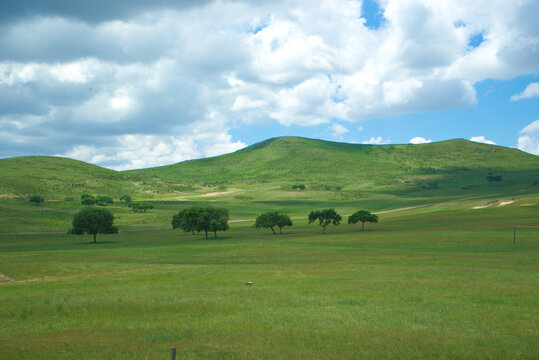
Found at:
<point>282,221</point>
<point>126,199</point>
<point>270,220</point>
<point>86,199</point>
<point>212,219</point>
<point>186,219</point>
<point>363,216</point>
<point>93,221</point>
<point>103,200</point>
<point>201,219</point>
<point>325,217</point>
<point>36,199</point>
<point>140,206</point>
<point>219,222</point>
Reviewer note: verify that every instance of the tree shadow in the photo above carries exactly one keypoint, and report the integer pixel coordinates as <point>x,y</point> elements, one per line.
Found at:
<point>98,243</point>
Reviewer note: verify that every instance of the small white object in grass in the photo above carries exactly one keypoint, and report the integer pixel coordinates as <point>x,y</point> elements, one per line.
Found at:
<point>249,283</point>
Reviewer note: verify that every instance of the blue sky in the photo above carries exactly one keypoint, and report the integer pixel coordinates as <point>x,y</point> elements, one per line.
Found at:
<point>134,84</point>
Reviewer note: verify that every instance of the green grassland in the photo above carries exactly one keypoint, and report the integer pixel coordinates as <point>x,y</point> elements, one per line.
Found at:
<point>440,282</point>
<point>439,277</point>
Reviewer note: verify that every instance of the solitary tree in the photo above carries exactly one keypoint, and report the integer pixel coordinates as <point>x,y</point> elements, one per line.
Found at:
<point>363,216</point>
<point>93,221</point>
<point>270,220</point>
<point>36,199</point>
<point>325,217</point>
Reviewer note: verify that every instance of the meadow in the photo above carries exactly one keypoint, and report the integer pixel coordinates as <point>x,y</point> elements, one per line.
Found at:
<point>443,282</point>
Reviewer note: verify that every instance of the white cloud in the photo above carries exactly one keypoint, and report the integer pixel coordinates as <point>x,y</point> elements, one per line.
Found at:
<point>531,91</point>
<point>338,130</point>
<point>159,71</point>
<point>529,141</point>
<point>376,141</point>
<point>482,139</point>
<point>419,140</point>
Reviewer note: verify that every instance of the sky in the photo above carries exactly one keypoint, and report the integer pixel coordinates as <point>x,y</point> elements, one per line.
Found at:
<point>129,84</point>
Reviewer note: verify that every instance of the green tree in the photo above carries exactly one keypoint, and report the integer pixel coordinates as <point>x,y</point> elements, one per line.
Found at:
<point>126,199</point>
<point>219,222</point>
<point>362,216</point>
<point>212,219</point>
<point>325,217</point>
<point>186,219</point>
<point>36,199</point>
<point>201,219</point>
<point>103,200</point>
<point>86,199</point>
<point>282,221</point>
<point>138,206</point>
<point>273,219</point>
<point>93,221</point>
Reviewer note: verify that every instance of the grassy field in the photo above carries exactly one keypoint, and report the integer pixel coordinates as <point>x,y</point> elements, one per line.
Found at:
<point>442,282</point>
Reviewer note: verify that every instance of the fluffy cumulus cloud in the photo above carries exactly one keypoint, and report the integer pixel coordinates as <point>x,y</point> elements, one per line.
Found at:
<point>337,130</point>
<point>531,91</point>
<point>529,139</point>
<point>376,141</point>
<point>133,84</point>
<point>419,140</point>
<point>482,139</point>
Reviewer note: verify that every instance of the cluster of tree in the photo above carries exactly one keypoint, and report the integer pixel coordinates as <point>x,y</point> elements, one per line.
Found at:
<point>270,220</point>
<point>207,219</point>
<point>36,199</point>
<point>330,216</point>
<point>138,206</point>
<point>101,200</point>
<point>93,221</point>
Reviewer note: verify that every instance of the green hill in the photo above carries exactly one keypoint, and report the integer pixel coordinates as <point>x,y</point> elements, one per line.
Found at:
<point>323,164</point>
<point>454,166</point>
<point>56,176</point>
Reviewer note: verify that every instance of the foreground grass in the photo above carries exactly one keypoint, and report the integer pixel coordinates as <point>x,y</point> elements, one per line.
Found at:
<point>442,284</point>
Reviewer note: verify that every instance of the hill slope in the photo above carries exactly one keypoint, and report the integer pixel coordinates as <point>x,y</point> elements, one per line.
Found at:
<point>56,176</point>
<point>458,166</point>
<point>323,163</point>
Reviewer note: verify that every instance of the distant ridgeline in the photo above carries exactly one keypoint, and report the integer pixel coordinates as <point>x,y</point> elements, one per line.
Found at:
<point>299,164</point>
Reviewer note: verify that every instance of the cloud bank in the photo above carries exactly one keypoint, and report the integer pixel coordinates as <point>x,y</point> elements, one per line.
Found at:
<point>132,84</point>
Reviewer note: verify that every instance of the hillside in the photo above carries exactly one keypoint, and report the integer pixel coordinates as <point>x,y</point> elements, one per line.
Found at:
<point>456,166</point>
<point>323,164</point>
<point>55,176</point>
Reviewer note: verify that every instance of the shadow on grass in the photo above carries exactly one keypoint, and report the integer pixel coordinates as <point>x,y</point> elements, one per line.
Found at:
<point>98,243</point>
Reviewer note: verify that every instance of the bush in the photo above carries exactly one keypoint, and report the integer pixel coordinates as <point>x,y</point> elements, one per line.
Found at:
<point>298,187</point>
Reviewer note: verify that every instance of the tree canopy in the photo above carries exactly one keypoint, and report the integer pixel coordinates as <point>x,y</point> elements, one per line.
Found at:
<point>325,217</point>
<point>270,220</point>
<point>93,221</point>
<point>36,199</point>
<point>201,219</point>
<point>138,206</point>
<point>362,216</point>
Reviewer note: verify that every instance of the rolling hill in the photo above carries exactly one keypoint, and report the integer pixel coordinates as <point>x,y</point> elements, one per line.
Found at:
<point>457,166</point>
